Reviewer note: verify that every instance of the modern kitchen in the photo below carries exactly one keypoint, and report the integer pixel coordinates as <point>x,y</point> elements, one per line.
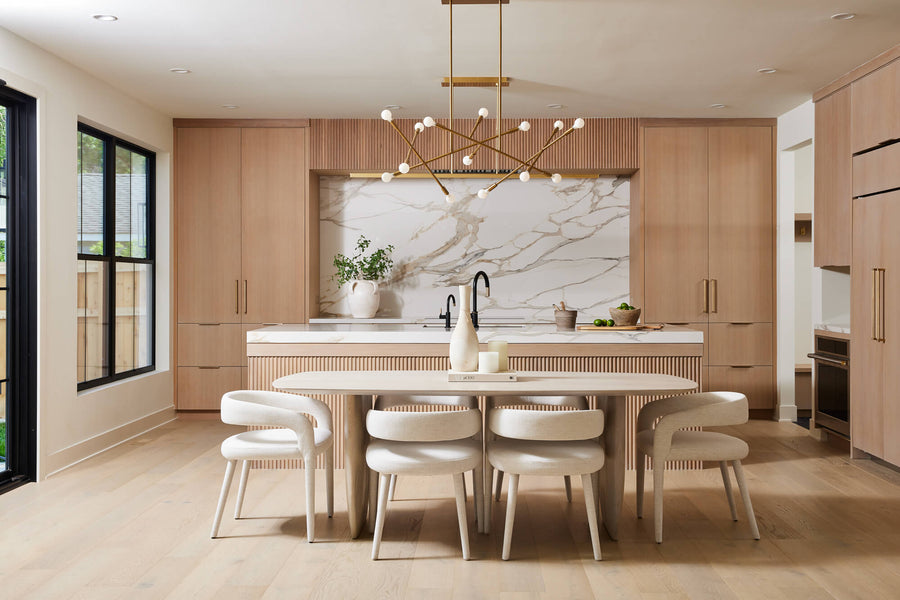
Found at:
<point>375,272</point>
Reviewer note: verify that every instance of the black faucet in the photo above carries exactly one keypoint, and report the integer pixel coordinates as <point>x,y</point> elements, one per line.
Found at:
<point>446,316</point>
<point>487,292</point>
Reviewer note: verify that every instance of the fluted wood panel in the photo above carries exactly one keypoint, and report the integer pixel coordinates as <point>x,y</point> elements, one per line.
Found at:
<point>266,369</point>
<point>343,145</point>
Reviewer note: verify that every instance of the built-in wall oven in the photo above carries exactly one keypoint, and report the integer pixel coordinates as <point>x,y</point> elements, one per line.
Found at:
<point>832,384</point>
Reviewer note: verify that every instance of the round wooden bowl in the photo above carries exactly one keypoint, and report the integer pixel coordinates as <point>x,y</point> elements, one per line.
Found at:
<point>625,317</point>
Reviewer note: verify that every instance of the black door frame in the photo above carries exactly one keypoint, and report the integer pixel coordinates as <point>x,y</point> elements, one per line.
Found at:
<point>21,391</point>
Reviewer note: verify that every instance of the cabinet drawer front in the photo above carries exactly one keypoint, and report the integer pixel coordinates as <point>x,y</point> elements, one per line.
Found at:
<point>757,383</point>
<point>202,389</point>
<point>740,344</point>
<point>873,106</point>
<point>220,345</point>
<point>876,171</point>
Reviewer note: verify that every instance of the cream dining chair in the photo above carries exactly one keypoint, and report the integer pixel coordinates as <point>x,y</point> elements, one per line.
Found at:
<point>533,442</point>
<point>667,441</point>
<point>295,438</point>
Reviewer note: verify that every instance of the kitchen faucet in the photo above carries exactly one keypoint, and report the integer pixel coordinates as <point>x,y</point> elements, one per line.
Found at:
<point>487,292</point>
<point>446,316</point>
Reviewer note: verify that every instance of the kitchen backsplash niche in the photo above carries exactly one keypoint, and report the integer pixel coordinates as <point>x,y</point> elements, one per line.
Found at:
<point>539,243</point>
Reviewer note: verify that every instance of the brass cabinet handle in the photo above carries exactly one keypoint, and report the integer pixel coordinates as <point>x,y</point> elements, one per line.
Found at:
<point>714,293</point>
<point>881,302</point>
<point>741,366</point>
<point>874,304</point>
<point>208,324</point>
<point>706,295</point>
<point>209,368</point>
<point>245,296</point>
<point>237,296</point>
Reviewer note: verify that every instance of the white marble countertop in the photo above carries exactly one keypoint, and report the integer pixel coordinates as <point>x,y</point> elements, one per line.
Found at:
<point>420,333</point>
<point>834,327</point>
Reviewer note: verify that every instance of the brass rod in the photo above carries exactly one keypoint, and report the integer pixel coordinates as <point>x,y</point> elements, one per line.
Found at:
<point>474,129</point>
<point>499,78</point>
<point>537,156</point>
<point>875,304</point>
<point>466,147</point>
<point>706,295</point>
<point>882,305</point>
<point>497,150</point>
<point>714,293</point>
<point>237,296</point>
<point>409,152</point>
<point>501,180</point>
<point>451,84</point>
<point>245,296</point>
<point>422,160</point>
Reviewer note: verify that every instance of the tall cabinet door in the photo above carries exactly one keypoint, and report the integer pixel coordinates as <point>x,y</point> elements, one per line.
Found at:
<point>208,218</point>
<point>891,328</point>
<point>741,224</point>
<point>675,224</point>
<point>866,364</point>
<point>273,169</point>
<point>833,180</point>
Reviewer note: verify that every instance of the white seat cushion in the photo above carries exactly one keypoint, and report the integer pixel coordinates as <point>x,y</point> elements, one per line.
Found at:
<point>270,443</point>
<point>423,458</point>
<point>528,457</point>
<point>697,445</point>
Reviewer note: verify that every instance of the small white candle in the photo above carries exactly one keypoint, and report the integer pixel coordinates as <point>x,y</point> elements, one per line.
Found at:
<point>502,349</point>
<point>488,362</point>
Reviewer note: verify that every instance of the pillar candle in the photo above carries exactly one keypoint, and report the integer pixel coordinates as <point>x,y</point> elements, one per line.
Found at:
<point>488,362</point>
<point>501,348</point>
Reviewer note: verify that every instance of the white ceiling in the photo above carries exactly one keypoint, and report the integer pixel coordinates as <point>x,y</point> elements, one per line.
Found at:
<point>350,58</point>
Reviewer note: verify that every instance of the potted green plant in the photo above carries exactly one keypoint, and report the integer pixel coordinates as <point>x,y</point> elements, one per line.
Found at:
<point>362,271</point>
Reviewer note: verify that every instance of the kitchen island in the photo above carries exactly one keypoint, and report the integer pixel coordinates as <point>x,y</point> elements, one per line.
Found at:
<point>279,350</point>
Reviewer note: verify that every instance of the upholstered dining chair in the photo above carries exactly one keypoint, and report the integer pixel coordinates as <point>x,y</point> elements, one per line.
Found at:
<point>558,402</point>
<point>533,442</point>
<point>294,438</point>
<point>425,443</point>
<point>661,437</point>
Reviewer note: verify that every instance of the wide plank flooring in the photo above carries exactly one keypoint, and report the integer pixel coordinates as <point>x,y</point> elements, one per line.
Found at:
<point>134,522</point>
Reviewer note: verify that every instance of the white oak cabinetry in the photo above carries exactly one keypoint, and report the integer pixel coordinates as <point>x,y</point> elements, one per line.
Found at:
<point>241,220</point>
<point>833,181</point>
<point>875,116</point>
<point>708,217</point>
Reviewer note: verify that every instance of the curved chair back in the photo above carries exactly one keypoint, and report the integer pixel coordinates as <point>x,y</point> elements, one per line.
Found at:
<point>546,425</point>
<point>573,402</point>
<point>277,409</point>
<point>705,409</point>
<point>392,400</point>
<point>400,426</point>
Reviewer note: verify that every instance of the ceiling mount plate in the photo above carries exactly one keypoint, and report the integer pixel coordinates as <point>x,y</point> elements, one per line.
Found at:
<point>475,82</point>
<point>474,2</point>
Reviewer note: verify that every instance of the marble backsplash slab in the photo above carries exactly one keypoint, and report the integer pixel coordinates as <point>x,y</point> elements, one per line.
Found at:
<point>539,243</point>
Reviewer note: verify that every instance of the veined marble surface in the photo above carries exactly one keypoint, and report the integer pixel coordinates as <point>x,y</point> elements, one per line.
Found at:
<point>542,333</point>
<point>833,327</point>
<point>539,243</point>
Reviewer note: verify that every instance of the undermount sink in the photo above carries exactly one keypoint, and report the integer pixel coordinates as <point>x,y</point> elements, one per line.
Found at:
<point>480,325</point>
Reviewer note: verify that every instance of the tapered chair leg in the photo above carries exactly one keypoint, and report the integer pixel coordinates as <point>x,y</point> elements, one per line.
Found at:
<point>639,487</point>
<point>478,493</point>
<point>384,483</point>
<point>659,469</point>
<point>499,486</point>
<point>745,496</point>
<point>242,487</point>
<point>329,482</point>
<point>511,494</point>
<point>723,466</point>
<point>310,468</point>
<point>568,482</point>
<point>459,487</point>
<point>223,496</point>
<point>590,503</point>
<point>392,487</point>
<point>373,500</point>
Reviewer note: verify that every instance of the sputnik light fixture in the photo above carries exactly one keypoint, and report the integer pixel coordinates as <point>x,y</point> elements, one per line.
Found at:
<point>470,144</point>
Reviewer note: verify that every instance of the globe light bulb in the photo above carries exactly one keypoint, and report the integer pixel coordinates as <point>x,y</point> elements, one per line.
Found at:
<point>524,126</point>
<point>482,112</point>
<point>578,124</point>
<point>428,121</point>
<point>420,127</point>
<point>467,160</point>
<point>556,178</point>
<point>450,198</point>
<point>386,177</point>
<point>559,125</point>
<point>403,168</point>
<point>482,193</point>
<point>524,176</point>
<point>386,115</point>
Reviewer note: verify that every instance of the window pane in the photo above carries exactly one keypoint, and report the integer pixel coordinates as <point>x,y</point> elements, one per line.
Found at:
<point>131,204</point>
<point>93,320</point>
<point>133,295</point>
<point>90,194</point>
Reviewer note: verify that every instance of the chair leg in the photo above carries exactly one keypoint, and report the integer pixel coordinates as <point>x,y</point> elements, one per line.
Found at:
<point>329,482</point>
<point>511,494</point>
<point>465,490</point>
<point>392,487</point>
<point>639,487</point>
<point>242,487</point>
<point>590,503</point>
<point>223,496</point>
<point>659,469</point>
<point>568,482</point>
<point>498,486</point>
<point>459,487</point>
<point>310,468</point>
<point>373,499</point>
<point>745,496</point>
<point>723,466</point>
<point>478,492</point>
<point>383,486</point>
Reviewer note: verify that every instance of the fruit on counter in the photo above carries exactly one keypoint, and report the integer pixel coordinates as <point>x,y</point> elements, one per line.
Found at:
<point>603,322</point>
<point>625,306</point>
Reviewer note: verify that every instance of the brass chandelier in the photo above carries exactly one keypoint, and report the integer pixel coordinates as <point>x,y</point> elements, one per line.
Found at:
<point>470,143</point>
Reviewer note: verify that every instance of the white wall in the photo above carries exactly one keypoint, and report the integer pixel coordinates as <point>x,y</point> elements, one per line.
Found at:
<point>73,426</point>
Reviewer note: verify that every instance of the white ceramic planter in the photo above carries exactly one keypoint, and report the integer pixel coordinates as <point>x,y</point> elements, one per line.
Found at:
<point>364,298</point>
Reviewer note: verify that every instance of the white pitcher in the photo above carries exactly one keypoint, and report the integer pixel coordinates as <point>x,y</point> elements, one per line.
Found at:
<point>464,340</point>
<point>364,298</point>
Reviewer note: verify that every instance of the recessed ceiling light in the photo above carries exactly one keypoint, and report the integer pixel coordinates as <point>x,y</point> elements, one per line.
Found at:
<point>767,70</point>
<point>111,17</point>
<point>843,16</point>
<point>555,106</point>
<point>717,105</point>
<point>393,107</point>
<point>180,70</point>
<point>230,106</point>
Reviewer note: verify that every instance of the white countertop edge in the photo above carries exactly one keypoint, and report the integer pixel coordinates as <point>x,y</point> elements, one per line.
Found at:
<point>833,327</point>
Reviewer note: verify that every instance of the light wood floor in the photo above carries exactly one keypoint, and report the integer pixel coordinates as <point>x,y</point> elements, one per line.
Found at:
<point>134,523</point>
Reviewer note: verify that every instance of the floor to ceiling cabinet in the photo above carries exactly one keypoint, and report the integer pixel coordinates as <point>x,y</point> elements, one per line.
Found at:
<point>241,242</point>
<point>708,226</point>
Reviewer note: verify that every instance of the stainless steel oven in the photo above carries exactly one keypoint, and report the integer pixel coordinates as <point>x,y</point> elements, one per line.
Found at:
<point>832,384</point>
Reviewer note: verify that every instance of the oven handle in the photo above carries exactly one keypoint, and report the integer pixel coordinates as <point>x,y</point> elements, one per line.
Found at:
<point>827,359</point>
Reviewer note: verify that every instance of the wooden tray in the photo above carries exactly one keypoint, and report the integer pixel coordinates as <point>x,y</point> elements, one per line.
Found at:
<point>620,328</point>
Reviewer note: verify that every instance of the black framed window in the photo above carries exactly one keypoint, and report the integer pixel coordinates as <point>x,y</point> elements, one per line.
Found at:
<point>116,269</point>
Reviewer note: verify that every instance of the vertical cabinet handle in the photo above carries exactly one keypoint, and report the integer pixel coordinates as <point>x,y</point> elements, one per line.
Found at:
<point>245,296</point>
<point>706,295</point>
<point>882,303</point>
<point>875,307</point>
<point>714,295</point>
<point>237,296</point>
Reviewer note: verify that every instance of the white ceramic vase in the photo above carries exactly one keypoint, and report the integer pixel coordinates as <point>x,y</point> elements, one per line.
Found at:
<point>364,298</point>
<point>464,340</point>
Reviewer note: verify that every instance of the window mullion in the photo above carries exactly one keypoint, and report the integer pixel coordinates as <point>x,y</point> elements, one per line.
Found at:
<point>109,248</point>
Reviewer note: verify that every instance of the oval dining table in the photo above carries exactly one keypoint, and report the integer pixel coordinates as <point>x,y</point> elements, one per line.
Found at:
<point>610,390</point>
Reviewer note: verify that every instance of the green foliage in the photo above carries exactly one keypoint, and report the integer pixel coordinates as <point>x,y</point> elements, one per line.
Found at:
<point>3,439</point>
<point>372,267</point>
<point>2,134</point>
<point>131,249</point>
<point>2,251</point>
